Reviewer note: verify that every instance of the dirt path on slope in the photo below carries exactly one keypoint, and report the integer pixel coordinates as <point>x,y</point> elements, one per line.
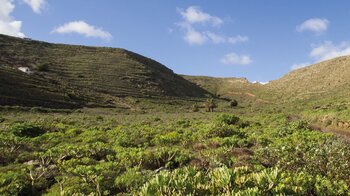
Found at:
<point>342,133</point>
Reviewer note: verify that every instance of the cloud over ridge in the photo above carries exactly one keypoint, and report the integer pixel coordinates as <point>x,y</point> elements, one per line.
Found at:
<point>83,28</point>
<point>8,25</point>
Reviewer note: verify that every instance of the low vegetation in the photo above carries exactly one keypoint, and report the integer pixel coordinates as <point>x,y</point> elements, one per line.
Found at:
<point>174,154</point>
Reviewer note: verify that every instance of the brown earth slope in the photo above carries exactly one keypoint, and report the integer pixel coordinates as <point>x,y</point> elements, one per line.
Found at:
<point>76,76</point>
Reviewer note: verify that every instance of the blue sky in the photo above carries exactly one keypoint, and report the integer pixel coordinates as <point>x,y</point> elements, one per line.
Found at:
<point>259,40</point>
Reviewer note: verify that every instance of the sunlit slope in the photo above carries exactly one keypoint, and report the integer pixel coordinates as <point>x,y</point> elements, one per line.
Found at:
<point>322,80</point>
<point>328,81</point>
<point>231,88</point>
<point>67,75</point>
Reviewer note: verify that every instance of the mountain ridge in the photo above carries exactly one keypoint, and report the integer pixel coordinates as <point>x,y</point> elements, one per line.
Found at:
<point>326,78</point>
<point>322,80</point>
<point>77,76</point>
<point>85,76</point>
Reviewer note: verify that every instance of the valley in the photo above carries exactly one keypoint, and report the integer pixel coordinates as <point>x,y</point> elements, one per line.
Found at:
<point>106,121</point>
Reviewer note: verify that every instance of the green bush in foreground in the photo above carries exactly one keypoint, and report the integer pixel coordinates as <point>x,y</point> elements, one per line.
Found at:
<point>240,181</point>
<point>220,156</point>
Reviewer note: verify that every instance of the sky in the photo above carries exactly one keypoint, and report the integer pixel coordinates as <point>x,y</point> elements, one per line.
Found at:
<point>258,40</point>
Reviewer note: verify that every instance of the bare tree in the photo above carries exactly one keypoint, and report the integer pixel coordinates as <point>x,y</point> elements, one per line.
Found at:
<point>210,105</point>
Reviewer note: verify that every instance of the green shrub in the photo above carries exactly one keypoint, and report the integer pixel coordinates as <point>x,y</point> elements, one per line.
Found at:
<point>184,123</point>
<point>10,146</point>
<point>14,182</point>
<point>131,179</point>
<point>95,177</point>
<point>228,119</point>
<point>167,157</point>
<point>26,130</point>
<point>300,124</point>
<point>240,181</point>
<point>221,131</point>
<point>132,136</point>
<point>309,151</point>
<point>170,138</point>
<point>224,130</point>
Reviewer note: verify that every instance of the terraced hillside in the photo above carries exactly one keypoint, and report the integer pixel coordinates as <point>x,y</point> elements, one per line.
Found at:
<point>75,76</point>
<point>328,79</point>
<point>232,88</point>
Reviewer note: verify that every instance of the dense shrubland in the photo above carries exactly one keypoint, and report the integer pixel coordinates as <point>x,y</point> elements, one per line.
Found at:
<point>265,155</point>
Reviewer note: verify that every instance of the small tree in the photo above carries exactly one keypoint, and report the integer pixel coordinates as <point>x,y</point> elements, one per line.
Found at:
<point>61,180</point>
<point>233,103</point>
<point>195,108</point>
<point>35,173</point>
<point>210,105</point>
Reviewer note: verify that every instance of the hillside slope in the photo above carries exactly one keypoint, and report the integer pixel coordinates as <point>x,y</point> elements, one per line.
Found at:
<point>326,79</point>
<point>231,88</point>
<point>76,76</point>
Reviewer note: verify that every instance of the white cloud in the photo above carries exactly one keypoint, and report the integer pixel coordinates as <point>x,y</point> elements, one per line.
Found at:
<point>194,14</point>
<point>236,59</point>
<point>325,51</point>
<point>194,37</point>
<point>328,50</point>
<point>36,5</point>
<point>237,39</point>
<point>316,25</point>
<point>8,25</point>
<point>299,65</point>
<point>82,28</point>
<point>215,38</point>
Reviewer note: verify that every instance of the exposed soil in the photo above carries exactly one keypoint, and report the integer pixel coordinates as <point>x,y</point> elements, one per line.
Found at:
<point>342,133</point>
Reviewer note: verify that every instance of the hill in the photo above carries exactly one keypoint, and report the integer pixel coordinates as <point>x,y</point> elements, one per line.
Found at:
<point>231,88</point>
<point>325,79</point>
<point>67,76</point>
<point>77,76</point>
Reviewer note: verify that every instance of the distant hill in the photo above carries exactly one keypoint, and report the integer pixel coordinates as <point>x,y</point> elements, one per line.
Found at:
<point>328,80</point>
<point>322,80</point>
<point>77,76</point>
<point>231,88</point>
